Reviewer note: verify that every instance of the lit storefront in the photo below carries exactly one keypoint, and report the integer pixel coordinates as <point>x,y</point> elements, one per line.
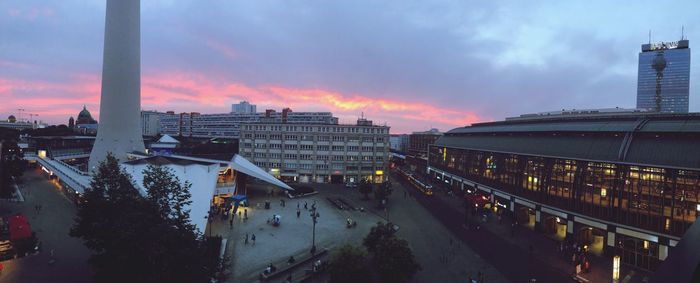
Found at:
<point>604,182</point>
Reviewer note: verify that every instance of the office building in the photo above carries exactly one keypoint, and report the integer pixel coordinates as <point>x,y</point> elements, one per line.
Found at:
<point>150,123</point>
<point>227,125</point>
<point>399,143</point>
<point>663,80</point>
<point>244,108</point>
<point>313,152</point>
<point>623,185</point>
<point>418,141</point>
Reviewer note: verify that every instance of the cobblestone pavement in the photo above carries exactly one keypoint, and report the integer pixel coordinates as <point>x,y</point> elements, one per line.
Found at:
<point>51,225</point>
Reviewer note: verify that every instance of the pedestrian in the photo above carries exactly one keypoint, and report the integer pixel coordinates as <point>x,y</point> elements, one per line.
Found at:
<point>253,239</point>
<point>239,213</point>
<point>230,223</point>
<point>306,206</point>
<point>297,205</point>
<point>245,213</point>
<point>298,213</point>
<point>246,238</point>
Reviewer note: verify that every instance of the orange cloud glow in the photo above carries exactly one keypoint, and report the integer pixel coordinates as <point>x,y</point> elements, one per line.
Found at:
<point>184,92</point>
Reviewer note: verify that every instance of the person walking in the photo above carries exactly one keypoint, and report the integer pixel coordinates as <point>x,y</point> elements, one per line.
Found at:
<point>306,206</point>
<point>245,213</point>
<point>253,239</point>
<point>230,222</point>
<point>298,212</point>
<point>246,238</point>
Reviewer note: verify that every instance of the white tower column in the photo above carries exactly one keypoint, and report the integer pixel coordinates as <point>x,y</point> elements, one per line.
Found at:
<point>119,128</point>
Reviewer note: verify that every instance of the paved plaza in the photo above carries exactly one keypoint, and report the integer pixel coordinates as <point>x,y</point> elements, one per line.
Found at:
<point>51,225</point>
<point>442,257</point>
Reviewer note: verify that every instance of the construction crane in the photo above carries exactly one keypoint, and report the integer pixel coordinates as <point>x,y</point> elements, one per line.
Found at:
<point>19,114</point>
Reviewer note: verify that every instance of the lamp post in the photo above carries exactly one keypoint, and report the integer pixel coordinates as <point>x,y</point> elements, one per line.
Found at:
<point>314,216</point>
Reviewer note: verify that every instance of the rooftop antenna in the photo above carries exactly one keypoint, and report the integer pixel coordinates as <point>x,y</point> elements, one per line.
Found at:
<point>649,36</point>
<point>682,32</point>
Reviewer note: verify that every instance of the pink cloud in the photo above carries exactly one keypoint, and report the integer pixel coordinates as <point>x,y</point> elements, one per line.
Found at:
<point>185,92</point>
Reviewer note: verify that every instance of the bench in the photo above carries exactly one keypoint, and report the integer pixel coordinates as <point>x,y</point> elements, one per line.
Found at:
<point>284,270</point>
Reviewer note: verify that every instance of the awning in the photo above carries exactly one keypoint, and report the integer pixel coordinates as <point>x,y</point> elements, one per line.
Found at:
<point>244,166</point>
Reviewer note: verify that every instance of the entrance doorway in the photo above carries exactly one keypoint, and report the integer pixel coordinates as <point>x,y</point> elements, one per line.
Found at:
<point>336,179</point>
<point>591,239</point>
<point>526,217</point>
<point>555,227</point>
<point>637,252</point>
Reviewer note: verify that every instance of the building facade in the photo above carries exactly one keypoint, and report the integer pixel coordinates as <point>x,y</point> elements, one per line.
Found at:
<point>663,80</point>
<point>312,152</point>
<point>150,123</point>
<point>228,125</point>
<point>621,185</point>
<point>244,107</point>
<point>418,141</point>
<point>399,143</point>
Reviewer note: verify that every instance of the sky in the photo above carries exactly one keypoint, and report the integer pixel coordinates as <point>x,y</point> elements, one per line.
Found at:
<point>412,65</point>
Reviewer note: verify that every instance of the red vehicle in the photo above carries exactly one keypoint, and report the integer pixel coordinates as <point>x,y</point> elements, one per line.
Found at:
<point>477,199</point>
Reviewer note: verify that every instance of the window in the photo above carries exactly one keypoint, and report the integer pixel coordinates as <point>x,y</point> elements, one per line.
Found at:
<point>367,139</point>
<point>322,147</point>
<point>338,148</point>
<point>307,138</point>
<point>290,156</point>
<point>275,137</point>
<point>306,157</point>
<point>324,138</point>
<point>367,158</point>
<point>247,145</point>
<point>322,157</point>
<point>337,166</point>
<point>248,135</point>
<point>306,166</point>
<point>351,168</point>
<point>290,165</point>
<point>338,138</point>
<point>290,146</point>
<point>338,158</point>
<point>260,145</point>
<point>260,155</point>
<point>322,166</point>
<point>353,148</point>
<point>261,136</point>
<point>306,147</point>
<point>275,146</point>
<point>290,137</point>
<point>275,155</point>
<point>353,158</point>
<point>367,148</point>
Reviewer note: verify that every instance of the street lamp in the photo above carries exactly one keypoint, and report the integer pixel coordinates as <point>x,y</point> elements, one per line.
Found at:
<point>314,216</point>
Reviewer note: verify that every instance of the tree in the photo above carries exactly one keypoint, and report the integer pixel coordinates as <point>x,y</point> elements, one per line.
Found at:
<point>395,261</point>
<point>365,188</point>
<point>382,192</point>
<point>377,234</point>
<point>349,265</point>
<point>392,256</point>
<point>170,196</point>
<point>136,238</point>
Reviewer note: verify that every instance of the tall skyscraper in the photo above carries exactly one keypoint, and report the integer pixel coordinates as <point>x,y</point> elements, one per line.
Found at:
<point>663,80</point>
<point>120,101</point>
<point>243,107</point>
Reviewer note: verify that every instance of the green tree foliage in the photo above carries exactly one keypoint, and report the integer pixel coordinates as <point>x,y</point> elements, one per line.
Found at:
<point>395,261</point>
<point>349,265</point>
<point>392,256</point>
<point>141,239</point>
<point>170,196</point>
<point>365,188</point>
<point>383,191</point>
<point>377,234</point>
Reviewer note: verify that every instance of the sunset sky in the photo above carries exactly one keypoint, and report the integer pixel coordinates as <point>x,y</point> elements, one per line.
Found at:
<point>410,64</point>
